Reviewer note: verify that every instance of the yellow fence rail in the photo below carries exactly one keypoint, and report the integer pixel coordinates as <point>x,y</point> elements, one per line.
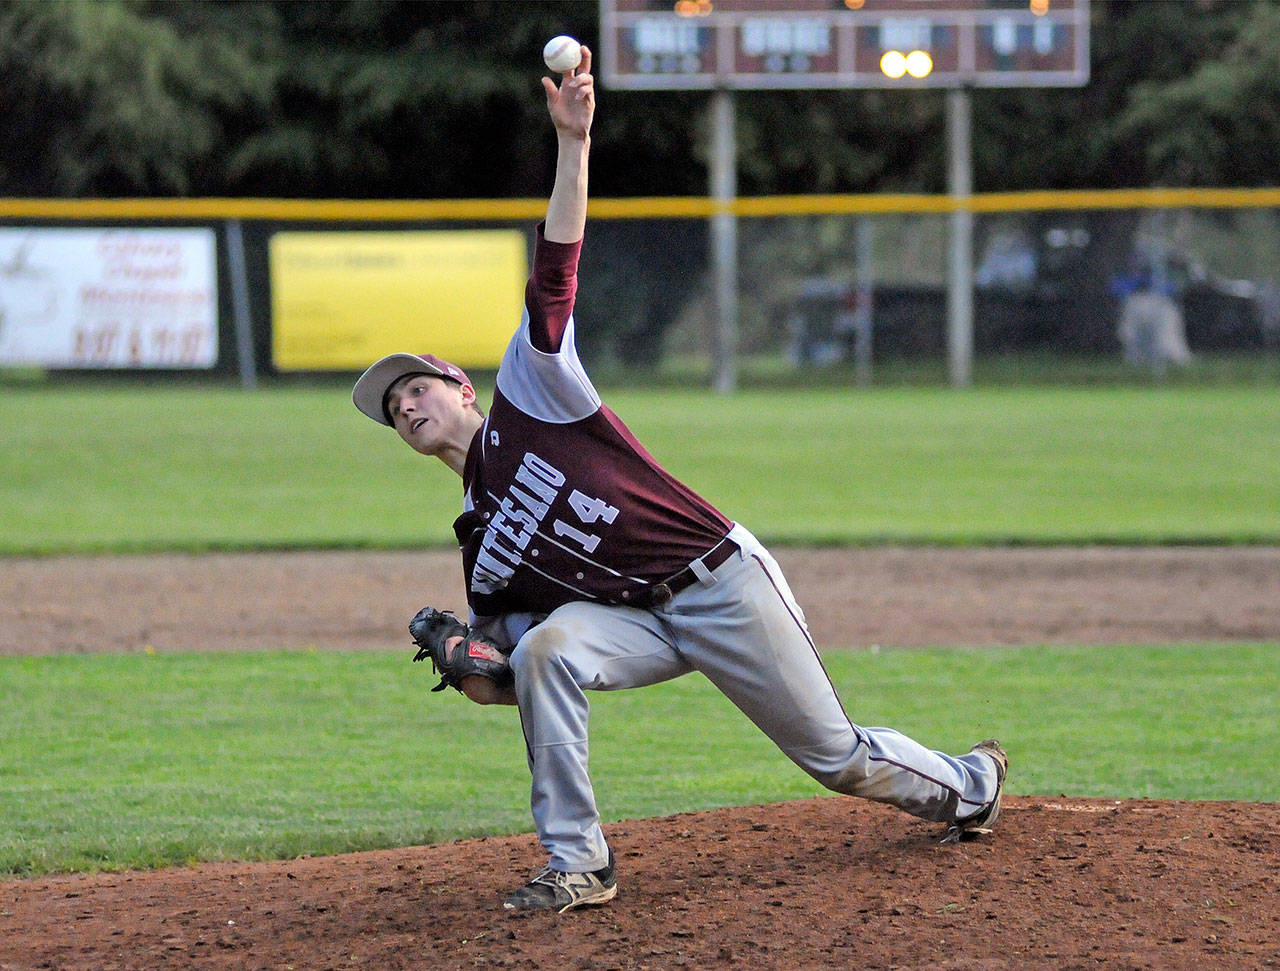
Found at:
<point>653,207</point>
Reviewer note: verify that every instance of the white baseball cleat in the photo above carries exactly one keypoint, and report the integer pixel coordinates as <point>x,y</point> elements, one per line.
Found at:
<point>981,821</point>
<point>559,891</point>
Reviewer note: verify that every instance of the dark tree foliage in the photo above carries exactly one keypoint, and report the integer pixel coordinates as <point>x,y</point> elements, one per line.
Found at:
<point>440,99</point>
<point>1216,122</point>
<point>358,99</point>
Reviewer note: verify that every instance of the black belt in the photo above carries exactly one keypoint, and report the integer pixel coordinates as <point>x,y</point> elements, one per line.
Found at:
<point>660,594</point>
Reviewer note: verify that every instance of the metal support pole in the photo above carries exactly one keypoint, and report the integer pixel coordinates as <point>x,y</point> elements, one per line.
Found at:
<point>724,240</point>
<point>240,305</point>
<point>960,270</point>
<point>863,310</point>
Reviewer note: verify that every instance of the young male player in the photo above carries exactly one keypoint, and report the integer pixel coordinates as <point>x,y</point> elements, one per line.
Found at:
<point>596,569</point>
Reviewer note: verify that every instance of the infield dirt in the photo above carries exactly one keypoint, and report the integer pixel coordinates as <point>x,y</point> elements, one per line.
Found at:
<point>817,883</point>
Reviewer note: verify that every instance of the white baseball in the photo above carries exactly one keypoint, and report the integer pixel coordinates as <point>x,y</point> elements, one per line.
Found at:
<point>562,54</point>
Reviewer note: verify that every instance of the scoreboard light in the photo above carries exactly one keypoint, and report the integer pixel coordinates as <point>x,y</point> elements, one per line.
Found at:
<point>893,64</point>
<point>694,8</point>
<point>919,64</point>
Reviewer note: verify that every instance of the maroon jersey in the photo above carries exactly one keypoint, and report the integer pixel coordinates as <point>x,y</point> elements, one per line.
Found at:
<point>562,502</point>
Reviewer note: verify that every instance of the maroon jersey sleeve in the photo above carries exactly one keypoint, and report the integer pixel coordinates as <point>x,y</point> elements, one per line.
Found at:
<point>550,291</point>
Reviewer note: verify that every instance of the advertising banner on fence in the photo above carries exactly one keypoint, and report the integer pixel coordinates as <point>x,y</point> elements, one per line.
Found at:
<point>108,298</point>
<point>341,300</point>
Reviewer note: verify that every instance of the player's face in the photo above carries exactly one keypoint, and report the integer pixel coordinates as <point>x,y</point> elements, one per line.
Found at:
<point>427,411</point>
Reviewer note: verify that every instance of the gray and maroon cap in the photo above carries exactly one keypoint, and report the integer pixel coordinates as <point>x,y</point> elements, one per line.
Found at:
<point>370,392</point>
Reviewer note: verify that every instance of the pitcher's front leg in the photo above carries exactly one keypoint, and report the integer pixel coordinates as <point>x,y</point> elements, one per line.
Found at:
<point>579,647</point>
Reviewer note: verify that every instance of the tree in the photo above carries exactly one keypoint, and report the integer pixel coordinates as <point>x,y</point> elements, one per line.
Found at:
<point>405,99</point>
<point>98,99</point>
<point>286,98</point>
<point>1219,125</point>
<point>1075,138</point>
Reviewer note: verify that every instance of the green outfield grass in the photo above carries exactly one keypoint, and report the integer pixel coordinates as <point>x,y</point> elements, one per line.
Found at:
<point>104,467</point>
<point>146,760</point>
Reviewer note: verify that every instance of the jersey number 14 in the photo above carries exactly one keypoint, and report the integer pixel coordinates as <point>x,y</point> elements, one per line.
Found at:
<point>590,511</point>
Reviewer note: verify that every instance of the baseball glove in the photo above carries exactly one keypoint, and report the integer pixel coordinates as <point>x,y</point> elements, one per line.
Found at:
<point>431,629</point>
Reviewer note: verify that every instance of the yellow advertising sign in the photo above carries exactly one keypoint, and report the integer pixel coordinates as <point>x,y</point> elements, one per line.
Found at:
<point>341,300</point>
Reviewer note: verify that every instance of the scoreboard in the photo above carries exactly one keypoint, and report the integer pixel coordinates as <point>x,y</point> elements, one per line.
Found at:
<point>761,44</point>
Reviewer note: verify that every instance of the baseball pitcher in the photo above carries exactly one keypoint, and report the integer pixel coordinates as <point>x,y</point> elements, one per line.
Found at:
<point>590,567</point>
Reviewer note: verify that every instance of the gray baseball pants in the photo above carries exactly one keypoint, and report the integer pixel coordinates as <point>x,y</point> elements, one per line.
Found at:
<point>740,626</point>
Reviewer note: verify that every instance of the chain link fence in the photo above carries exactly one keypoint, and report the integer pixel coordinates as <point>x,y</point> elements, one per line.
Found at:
<point>1152,288</point>
<point>855,290</point>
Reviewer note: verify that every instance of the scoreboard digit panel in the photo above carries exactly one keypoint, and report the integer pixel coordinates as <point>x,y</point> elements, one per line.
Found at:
<point>690,44</point>
<point>1010,45</point>
<point>661,47</point>
<point>765,45</point>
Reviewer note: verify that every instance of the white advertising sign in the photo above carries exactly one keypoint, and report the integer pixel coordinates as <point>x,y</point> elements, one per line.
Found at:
<point>108,298</point>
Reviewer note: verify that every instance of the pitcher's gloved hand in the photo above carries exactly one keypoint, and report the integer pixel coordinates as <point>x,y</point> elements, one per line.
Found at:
<point>455,651</point>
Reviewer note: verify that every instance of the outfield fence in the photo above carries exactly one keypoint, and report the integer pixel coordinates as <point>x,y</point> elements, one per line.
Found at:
<point>1154,280</point>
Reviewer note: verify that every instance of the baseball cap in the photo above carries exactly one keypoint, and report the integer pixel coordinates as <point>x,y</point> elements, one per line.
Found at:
<point>371,389</point>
